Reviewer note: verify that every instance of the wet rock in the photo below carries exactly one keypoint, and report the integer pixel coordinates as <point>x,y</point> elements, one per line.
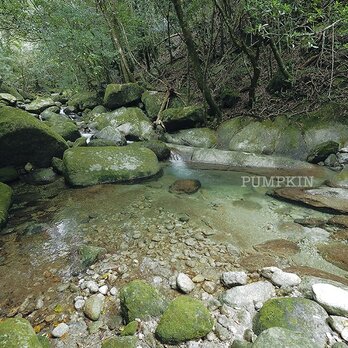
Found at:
<point>63,126</point>
<point>94,306</point>
<point>60,330</point>
<point>34,228</point>
<point>140,300</point>
<point>230,279</point>
<point>184,283</point>
<point>42,176</point>
<point>196,137</point>
<point>120,342</point>
<point>89,254</point>
<point>117,95</point>
<point>280,278</point>
<point>25,139</point>
<point>185,319</point>
<point>296,314</point>
<point>185,186</point>
<point>281,337</point>
<point>256,261</point>
<point>6,194</point>
<point>335,253</point>
<point>17,332</point>
<point>311,222</point>
<point>339,220</point>
<point>39,105</point>
<point>90,166</point>
<point>332,298</point>
<point>279,247</point>
<point>112,135</point>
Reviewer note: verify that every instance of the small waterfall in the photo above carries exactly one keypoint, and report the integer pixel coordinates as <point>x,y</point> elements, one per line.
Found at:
<point>176,159</point>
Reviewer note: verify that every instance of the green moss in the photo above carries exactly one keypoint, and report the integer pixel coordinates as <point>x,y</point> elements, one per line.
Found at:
<point>64,127</point>
<point>83,100</point>
<point>117,95</point>
<point>185,319</point>
<point>139,300</point>
<point>8,174</point>
<point>89,254</point>
<point>17,333</point>
<point>130,329</point>
<point>39,104</point>
<point>161,150</point>
<point>322,151</point>
<point>120,342</point>
<point>5,202</point>
<point>5,88</point>
<point>196,137</point>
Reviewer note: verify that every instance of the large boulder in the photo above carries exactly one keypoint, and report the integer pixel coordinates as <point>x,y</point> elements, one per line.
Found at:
<point>131,122</point>
<point>185,319</point>
<point>140,300</point>
<point>5,202</point>
<point>320,152</point>
<point>39,105</point>
<point>7,99</point>
<point>296,314</point>
<point>25,139</point>
<point>197,137</point>
<point>63,126</point>
<point>5,88</point>
<point>182,118</point>
<point>117,95</point>
<point>85,166</point>
<point>83,100</point>
<point>18,333</point>
<point>161,150</point>
<point>112,135</point>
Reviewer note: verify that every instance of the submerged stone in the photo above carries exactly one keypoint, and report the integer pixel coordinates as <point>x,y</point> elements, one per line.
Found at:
<point>117,95</point>
<point>188,186</point>
<point>335,253</point>
<point>279,247</point>
<point>89,254</point>
<point>5,202</point>
<point>85,166</point>
<point>42,176</point>
<point>185,319</point>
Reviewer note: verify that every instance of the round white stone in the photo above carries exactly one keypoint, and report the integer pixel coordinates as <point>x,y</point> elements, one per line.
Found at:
<point>184,283</point>
<point>60,330</point>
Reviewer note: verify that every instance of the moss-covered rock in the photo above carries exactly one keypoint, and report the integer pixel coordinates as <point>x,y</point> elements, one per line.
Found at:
<point>39,105</point>
<point>320,152</point>
<point>41,176</point>
<point>89,254</point>
<point>25,139</point>
<point>196,137</point>
<point>100,143</point>
<point>117,95</point>
<point>86,166</point>
<point>130,329</point>
<point>7,99</point>
<point>58,165</point>
<point>5,88</point>
<point>228,129</point>
<point>140,300</point>
<point>83,100</point>
<point>296,314</point>
<point>182,118</point>
<point>52,110</point>
<point>112,135</point>
<point>5,202</point>
<point>120,342</point>
<point>340,179</point>
<point>185,319</point>
<point>8,174</point>
<point>161,150</point>
<point>18,333</point>
<point>64,127</point>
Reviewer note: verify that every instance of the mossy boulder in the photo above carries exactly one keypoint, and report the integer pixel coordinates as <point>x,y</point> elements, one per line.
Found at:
<point>161,150</point>
<point>196,137</point>
<point>140,300</point>
<point>7,99</point>
<point>118,95</point>
<point>100,143</point>
<point>112,135</point>
<point>52,110</point>
<point>18,333</point>
<point>58,165</point>
<point>64,127</point>
<point>228,129</point>
<point>39,105</point>
<point>25,139</point>
<point>8,174</point>
<point>320,152</point>
<point>83,100</point>
<point>340,179</point>
<point>130,329</point>
<point>185,319</point>
<point>120,342</point>
<point>85,166</point>
<point>280,337</point>
<point>5,202</point>
<point>89,254</point>
<point>41,176</point>
<point>5,88</point>
<point>182,118</point>
<point>153,101</point>
<point>297,314</point>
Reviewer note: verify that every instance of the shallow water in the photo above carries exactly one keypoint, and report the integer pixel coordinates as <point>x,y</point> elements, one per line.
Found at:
<point>141,222</point>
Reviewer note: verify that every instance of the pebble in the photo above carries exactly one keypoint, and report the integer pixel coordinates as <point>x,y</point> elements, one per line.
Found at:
<point>79,304</point>
<point>103,289</point>
<point>340,325</point>
<point>92,286</point>
<point>198,279</point>
<point>94,306</point>
<point>184,283</point>
<point>280,278</point>
<point>230,279</point>
<point>113,291</point>
<point>60,330</point>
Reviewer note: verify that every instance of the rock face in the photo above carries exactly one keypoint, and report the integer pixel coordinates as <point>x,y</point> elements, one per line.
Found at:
<point>196,137</point>
<point>63,126</point>
<point>122,95</point>
<point>17,332</point>
<point>183,118</point>
<point>332,298</point>
<point>25,139</point>
<point>40,104</point>
<point>320,152</point>
<point>280,337</point>
<point>5,203</point>
<point>185,319</point>
<point>296,314</point>
<point>188,186</point>
<point>86,166</point>
<point>140,300</point>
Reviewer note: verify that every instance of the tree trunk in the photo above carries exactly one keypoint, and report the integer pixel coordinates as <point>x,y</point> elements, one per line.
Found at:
<point>196,63</point>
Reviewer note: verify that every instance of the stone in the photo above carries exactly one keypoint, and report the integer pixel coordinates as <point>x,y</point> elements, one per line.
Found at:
<point>196,137</point>
<point>130,329</point>
<point>335,253</point>
<point>182,118</point>
<point>89,254</point>
<point>339,221</point>
<point>63,126</point>
<point>60,330</point>
<point>39,105</point>
<point>17,333</point>
<point>8,174</point>
<point>103,289</point>
<point>185,319</point>
<point>118,95</point>
<point>112,135</point>
<point>280,337</point>
<point>42,176</point>
<point>230,279</point>
<point>83,100</point>
<point>92,286</point>
<point>184,283</point>
<point>279,247</point>
<point>280,278</point>
<point>79,304</point>
<point>86,166</point>
<point>296,314</point>
<point>94,306</point>
<point>58,165</point>
<point>25,139</point>
<point>161,150</point>
<point>322,151</point>
<point>8,99</point>
<point>120,342</point>
<point>339,324</point>
<point>188,186</point>
<point>6,194</point>
<point>246,295</point>
<point>332,298</point>
<point>140,300</point>
<point>340,179</point>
